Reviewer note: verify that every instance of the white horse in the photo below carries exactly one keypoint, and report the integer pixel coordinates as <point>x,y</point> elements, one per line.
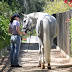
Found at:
<point>46,28</point>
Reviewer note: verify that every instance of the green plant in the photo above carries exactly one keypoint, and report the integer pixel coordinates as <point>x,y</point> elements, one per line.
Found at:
<point>5,9</point>
<point>70,37</point>
<point>70,28</point>
<point>56,7</point>
<point>4,36</point>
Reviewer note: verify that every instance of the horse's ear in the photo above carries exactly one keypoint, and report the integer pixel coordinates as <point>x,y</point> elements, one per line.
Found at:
<point>36,18</point>
<point>23,14</point>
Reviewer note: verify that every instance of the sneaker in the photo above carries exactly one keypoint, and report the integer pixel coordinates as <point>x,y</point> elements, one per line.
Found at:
<point>17,66</point>
<point>12,65</point>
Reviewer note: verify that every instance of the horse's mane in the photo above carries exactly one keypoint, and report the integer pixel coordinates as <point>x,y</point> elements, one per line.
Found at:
<point>36,14</point>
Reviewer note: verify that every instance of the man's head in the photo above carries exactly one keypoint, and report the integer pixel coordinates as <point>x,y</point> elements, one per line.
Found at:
<point>16,16</point>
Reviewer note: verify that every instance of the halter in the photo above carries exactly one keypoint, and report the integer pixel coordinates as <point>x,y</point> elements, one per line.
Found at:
<point>26,27</point>
<point>29,34</point>
<point>29,39</point>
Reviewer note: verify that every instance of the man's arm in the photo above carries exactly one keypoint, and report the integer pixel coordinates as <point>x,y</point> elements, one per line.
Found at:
<point>18,30</point>
<point>9,29</point>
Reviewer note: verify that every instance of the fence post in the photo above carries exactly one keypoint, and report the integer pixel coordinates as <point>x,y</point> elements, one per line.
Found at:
<point>57,18</point>
<point>68,41</point>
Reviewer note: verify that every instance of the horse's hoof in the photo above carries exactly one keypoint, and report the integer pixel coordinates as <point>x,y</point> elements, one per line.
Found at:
<point>39,65</point>
<point>43,67</point>
<point>49,67</point>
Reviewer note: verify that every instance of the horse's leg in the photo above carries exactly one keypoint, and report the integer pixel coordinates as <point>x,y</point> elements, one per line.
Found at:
<point>48,57</point>
<point>43,62</point>
<point>51,43</point>
<point>47,42</point>
<point>39,56</point>
<point>49,66</point>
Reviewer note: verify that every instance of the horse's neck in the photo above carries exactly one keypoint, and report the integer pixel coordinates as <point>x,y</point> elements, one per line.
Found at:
<point>37,15</point>
<point>34,15</point>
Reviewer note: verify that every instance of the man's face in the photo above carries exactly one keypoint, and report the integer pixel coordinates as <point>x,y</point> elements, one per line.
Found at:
<point>17,18</point>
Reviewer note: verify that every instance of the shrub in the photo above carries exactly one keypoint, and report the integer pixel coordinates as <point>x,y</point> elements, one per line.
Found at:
<point>70,37</point>
<point>4,36</point>
<point>70,28</point>
<point>56,7</point>
<point>5,9</point>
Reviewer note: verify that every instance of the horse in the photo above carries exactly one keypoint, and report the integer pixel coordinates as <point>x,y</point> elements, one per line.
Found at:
<point>46,29</point>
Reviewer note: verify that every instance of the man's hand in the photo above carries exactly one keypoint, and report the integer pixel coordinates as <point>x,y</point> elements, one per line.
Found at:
<point>24,33</point>
<point>18,30</point>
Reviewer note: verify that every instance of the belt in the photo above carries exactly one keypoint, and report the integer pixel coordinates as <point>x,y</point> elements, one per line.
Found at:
<point>15,34</point>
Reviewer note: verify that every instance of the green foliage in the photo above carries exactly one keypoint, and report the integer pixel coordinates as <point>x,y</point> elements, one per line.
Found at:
<point>70,28</point>
<point>32,33</point>
<point>4,37</point>
<point>5,9</point>
<point>5,13</point>
<point>56,7</point>
<point>70,37</point>
<point>9,7</point>
<point>16,5</point>
<point>37,5</point>
<point>26,6</point>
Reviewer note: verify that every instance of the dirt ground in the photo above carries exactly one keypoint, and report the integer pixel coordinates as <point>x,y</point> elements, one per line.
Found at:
<point>29,61</point>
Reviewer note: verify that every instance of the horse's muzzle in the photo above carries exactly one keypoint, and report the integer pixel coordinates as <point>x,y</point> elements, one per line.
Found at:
<point>26,31</point>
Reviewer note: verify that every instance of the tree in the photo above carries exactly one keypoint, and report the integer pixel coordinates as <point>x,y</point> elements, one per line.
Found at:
<point>26,6</point>
<point>4,9</point>
<point>33,5</point>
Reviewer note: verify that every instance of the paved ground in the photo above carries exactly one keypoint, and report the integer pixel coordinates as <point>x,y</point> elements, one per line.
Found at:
<point>29,61</point>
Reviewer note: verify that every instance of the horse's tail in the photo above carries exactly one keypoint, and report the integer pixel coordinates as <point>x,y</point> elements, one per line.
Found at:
<point>46,39</point>
<point>41,30</point>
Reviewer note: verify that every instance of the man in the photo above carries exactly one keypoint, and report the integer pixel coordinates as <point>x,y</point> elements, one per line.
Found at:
<point>14,29</point>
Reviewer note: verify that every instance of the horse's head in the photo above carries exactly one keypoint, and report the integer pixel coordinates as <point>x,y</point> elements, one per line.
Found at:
<point>27,23</point>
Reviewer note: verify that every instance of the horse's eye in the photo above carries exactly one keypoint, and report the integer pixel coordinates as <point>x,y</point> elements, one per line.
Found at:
<point>24,20</point>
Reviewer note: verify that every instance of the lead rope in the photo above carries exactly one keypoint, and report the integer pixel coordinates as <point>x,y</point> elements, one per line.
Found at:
<point>29,43</point>
<point>29,39</point>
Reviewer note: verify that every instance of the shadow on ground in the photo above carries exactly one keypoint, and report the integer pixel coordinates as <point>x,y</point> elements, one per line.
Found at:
<point>26,55</point>
<point>33,46</point>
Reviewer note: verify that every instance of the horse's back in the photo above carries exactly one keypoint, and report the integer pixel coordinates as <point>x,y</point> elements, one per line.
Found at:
<point>52,25</point>
<point>47,22</point>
